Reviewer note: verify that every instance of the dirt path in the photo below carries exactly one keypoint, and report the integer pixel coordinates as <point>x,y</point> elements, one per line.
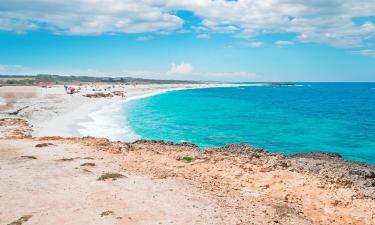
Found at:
<point>49,185</point>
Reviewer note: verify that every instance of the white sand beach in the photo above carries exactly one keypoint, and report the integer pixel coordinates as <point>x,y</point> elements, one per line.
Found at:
<point>52,112</point>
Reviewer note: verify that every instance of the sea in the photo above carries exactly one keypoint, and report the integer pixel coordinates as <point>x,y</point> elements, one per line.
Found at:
<point>305,117</point>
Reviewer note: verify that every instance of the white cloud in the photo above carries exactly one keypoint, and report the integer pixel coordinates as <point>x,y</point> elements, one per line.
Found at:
<point>366,52</point>
<point>145,38</point>
<point>281,43</point>
<point>87,17</point>
<point>203,36</point>
<point>253,44</point>
<point>18,26</point>
<point>321,21</point>
<point>183,68</point>
<point>197,76</point>
<point>219,28</point>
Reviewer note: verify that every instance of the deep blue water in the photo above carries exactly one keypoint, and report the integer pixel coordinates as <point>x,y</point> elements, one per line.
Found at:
<point>337,117</point>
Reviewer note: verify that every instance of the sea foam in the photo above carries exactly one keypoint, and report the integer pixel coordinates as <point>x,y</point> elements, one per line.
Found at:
<point>111,122</point>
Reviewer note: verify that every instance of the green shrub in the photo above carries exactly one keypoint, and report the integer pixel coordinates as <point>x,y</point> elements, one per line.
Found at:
<point>187,158</point>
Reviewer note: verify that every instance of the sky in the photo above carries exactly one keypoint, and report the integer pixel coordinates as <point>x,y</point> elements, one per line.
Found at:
<point>218,40</point>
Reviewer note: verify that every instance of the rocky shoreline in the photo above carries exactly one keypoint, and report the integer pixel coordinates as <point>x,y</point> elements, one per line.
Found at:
<point>252,185</point>
<point>329,166</point>
<point>326,165</point>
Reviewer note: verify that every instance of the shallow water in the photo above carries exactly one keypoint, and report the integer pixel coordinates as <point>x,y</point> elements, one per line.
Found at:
<point>337,117</point>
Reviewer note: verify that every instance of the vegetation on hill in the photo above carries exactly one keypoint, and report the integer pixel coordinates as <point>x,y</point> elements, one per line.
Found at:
<point>57,79</point>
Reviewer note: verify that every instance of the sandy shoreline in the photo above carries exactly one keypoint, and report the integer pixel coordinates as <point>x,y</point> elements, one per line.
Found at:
<point>86,126</point>
<point>52,112</point>
<point>87,180</point>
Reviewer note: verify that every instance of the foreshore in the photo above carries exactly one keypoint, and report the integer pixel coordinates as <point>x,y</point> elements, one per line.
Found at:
<point>50,174</point>
<point>52,112</point>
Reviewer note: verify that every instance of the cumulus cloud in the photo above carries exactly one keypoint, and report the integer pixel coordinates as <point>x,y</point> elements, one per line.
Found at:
<point>87,17</point>
<point>252,44</point>
<point>206,76</point>
<point>321,21</point>
<point>183,68</point>
<point>183,71</point>
<point>281,43</point>
<point>329,22</point>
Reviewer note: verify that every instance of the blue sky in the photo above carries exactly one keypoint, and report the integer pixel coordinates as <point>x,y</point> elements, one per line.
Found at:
<point>268,40</point>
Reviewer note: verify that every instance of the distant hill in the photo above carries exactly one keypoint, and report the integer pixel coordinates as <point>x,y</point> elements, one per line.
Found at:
<point>57,79</point>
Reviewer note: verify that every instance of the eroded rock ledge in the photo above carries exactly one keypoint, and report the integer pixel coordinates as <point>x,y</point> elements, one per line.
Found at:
<point>257,186</point>
<point>329,166</point>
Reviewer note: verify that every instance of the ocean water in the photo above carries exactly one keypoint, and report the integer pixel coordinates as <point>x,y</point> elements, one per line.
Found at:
<point>334,117</point>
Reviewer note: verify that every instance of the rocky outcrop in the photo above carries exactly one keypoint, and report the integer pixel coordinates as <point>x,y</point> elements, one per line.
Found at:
<point>328,166</point>
<point>119,93</point>
<point>242,149</point>
<point>253,184</point>
<point>166,143</point>
<point>296,189</point>
<point>317,155</point>
<point>99,95</point>
<point>334,169</point>
<point>15,128</point>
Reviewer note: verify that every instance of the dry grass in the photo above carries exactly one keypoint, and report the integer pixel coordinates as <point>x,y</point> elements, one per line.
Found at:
<point>88,164</point>
<point>28,157</point>
<point>42,145</point>
<point>66,159</point>
<point>106,213</point>
<point>113,176</point>
<point>21,220</point>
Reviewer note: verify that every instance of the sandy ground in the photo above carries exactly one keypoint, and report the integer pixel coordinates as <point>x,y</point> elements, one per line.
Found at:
<point>54,188</point>
<point>63,192</point>
<point>51,184</point>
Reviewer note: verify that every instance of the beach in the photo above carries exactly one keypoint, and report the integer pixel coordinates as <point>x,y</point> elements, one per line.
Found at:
<point>52,112</point>
<point>52,174</point>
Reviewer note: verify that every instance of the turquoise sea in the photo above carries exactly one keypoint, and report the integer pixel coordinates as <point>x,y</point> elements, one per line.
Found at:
<point>335,117</point>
